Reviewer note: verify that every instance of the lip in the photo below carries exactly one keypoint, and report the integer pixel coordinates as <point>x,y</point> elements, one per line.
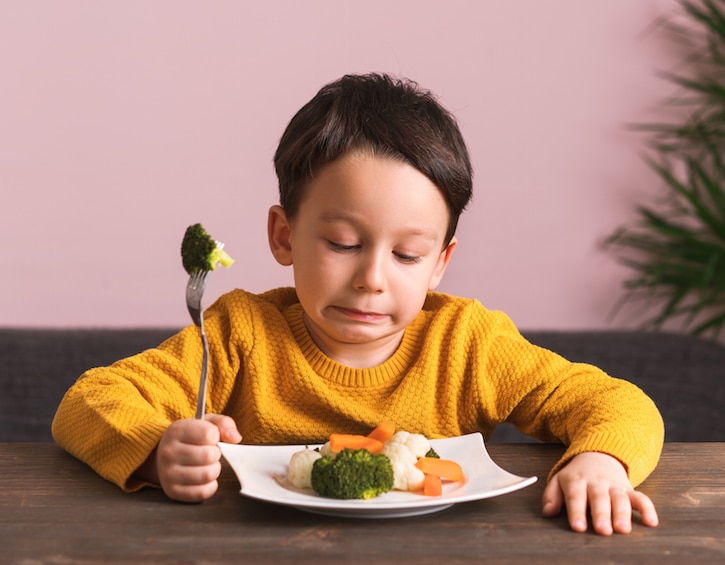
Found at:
<point>360,315</point>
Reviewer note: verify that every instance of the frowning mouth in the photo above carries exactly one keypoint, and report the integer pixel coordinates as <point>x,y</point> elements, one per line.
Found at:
<point>359,315</point>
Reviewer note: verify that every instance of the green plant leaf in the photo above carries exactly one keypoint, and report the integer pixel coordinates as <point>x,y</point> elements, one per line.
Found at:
<point>714,224</point>
<point>676,250</point>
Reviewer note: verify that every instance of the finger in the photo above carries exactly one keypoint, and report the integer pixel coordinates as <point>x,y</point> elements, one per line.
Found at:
<point>190,483</point>
<point>191,493</point>
<point>621,511</point>
<point>575,499</point>
<point>193,431</point>
<point>646,508</point>
<point>197,475</point>
<point>552,500</point>
<point>600,506</point>
<point>176,452</point>
<point>206,433</point>
<point>227,427</point>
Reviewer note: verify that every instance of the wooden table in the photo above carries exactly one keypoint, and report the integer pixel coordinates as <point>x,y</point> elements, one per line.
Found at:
<point>55,510</point>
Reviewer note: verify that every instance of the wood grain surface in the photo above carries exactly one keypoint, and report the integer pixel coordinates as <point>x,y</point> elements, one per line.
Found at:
<point>55,510</point>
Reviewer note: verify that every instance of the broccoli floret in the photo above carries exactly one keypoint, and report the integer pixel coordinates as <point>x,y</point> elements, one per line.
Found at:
<point>432,454</point>
<point>353,473</point>
<point>199,252</point>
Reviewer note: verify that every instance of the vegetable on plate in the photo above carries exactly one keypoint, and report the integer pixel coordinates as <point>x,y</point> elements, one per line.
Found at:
<point>352,466</point>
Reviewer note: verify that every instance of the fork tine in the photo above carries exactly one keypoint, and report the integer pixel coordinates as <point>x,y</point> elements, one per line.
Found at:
<point>198,279</point>
<point>194,293</point>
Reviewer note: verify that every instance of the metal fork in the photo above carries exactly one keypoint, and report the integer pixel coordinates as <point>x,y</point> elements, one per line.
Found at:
<point>194,292</point>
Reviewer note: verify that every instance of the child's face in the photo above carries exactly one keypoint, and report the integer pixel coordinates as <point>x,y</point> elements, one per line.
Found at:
<point>366,245</point>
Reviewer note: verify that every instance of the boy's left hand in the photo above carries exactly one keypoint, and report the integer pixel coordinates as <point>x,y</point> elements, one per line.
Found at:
<point>599,482</point>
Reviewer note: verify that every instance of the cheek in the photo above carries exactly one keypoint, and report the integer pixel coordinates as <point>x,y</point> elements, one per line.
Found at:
<point>409,294</point>
<point>417,278</point>
<point>316,271</point>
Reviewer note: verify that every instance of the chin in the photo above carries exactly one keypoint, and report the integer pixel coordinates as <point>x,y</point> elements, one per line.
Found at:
<point>363,337</point>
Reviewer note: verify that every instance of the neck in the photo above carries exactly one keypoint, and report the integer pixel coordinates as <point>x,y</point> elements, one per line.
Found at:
<point>356,355</point>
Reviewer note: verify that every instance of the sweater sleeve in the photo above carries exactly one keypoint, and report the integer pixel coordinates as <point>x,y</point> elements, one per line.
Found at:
<point>552,399</point>
<point>113,417</point>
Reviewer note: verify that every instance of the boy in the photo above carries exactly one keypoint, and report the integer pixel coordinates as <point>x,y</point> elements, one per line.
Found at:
<point>373,175</point>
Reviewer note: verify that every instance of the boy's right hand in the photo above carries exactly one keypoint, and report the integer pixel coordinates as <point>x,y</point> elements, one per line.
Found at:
<point>187,459</point>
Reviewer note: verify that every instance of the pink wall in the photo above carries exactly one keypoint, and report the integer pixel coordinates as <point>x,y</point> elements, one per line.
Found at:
<point>123,122</point>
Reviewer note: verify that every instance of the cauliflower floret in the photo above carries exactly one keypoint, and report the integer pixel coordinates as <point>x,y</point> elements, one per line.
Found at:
<point>300,467</point>
<point>406,476</point>
<point>418,444</point>
<point>327,450</point>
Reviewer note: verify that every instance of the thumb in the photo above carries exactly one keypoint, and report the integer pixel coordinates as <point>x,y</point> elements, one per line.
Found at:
<point>228,431</point>
<point>552,500</point>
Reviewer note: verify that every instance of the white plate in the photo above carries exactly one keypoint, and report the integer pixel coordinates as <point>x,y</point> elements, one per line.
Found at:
<point>259,469</point>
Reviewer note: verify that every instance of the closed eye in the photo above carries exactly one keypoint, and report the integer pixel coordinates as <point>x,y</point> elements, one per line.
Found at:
<point>403,258</point>
<point>341,248</point>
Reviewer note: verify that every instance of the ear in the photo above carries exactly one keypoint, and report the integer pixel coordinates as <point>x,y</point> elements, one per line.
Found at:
<point>442,263</point>
<point>279,231</point>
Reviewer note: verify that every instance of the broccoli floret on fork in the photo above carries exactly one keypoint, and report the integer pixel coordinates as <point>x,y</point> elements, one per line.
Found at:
<point>200,252</point>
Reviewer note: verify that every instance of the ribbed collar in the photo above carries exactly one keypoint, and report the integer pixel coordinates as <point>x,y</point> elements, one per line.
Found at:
<point>386,373</point>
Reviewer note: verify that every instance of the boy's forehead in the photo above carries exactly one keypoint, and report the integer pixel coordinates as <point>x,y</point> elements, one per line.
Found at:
<point>359,191</point>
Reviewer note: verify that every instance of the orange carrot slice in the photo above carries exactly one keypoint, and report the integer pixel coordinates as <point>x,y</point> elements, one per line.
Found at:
<point>338,442</point>
<point>383,431</point>
<point>432,485</point>
<point>443,468</point>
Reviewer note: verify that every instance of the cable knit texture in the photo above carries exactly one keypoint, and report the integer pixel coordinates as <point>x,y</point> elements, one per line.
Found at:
<point>460,368</point>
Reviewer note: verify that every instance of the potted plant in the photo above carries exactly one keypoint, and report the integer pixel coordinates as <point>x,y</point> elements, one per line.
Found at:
<point>676,249</point>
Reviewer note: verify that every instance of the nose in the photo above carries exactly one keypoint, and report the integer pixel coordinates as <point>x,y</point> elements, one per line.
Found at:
<point>370,274</point>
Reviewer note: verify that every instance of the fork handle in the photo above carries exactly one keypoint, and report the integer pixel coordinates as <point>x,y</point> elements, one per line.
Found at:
<point>201,400</point>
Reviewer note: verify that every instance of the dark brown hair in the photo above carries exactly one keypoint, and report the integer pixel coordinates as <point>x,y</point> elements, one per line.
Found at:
<point>387,116</point>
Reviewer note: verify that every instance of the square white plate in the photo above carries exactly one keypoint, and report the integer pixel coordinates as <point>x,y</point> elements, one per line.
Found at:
<point>260,468</point>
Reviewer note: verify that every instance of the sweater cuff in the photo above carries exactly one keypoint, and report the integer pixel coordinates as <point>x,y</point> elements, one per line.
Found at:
<point>137,446</point>
<point>639,456</point>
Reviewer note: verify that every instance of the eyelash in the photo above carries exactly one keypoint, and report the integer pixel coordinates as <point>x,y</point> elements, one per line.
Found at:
<point>341,248</point>
<point>403,258</point>
<point>408,259</point>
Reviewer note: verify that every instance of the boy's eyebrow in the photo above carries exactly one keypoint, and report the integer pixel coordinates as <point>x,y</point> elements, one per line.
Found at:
<point>336,216</point>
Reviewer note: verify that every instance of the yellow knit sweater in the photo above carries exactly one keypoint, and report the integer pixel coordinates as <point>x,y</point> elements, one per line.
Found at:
<point>459,368</point>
